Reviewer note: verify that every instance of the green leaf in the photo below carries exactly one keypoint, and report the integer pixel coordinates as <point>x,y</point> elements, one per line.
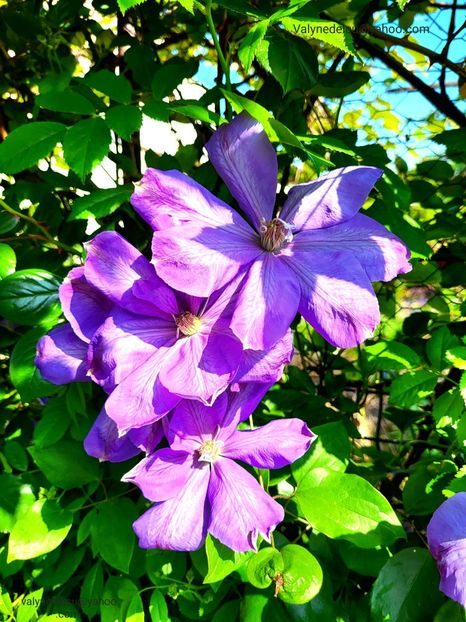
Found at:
<point>291,61</point>
<point>437,346</point>
<point>116,87</point>
<point>29,605</point>
<point>91,591</point>
<point>7,222</point>
<point>39,528</point>
<point>448,408</point>
<point>402,3</point>
<point>462,386</point>
<point>65,464</point>
<point>313,28</point>
<point>391,355</point>
<point>7,260</point>
<point>340,84</point>
<point>128,4</point>
<point>135,612</point>
<point>5,603</point>
<point>29,297</point>
<point>27,144</point>
<point>24,375</point>
<point>404,590</point>
<point>65,101</point>
<point>188,5</point>
<point>86,144</point>
<point>456,356</point>
<point>347,506</point>
<point>52,424</point>
<point>450,612</point>
<point>411,388</point>
<point>264,567</point>
<point>197,113</point>
<point>221,561</point>
<point>302,575</point>
<point>115,545</point>
<point>10,491</point>
<point>170,75</point>
<point>158,607</point>
<point>124,120</point>
<point>100,203</point>
<point>331,450</point>
<point>16,455</point>
<point>248,48</point>
<point>423,491</point>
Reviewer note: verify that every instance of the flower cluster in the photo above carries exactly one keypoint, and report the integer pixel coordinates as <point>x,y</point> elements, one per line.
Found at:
<point>186,345</point>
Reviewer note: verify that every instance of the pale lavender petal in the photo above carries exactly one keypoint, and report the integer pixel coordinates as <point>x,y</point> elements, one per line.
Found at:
<point>61,356</point>
<point>103,442</point>
<point>180,523</point>
<point>140,399</point>
<point>201,366</point>
<point>199,260</point>
<point>193,423</point>
<point>166,198</point>
<point>84,306</point>
<point>337,298</point>
<point>446,535</point>
<point>331,199</point>
<point>161,476</point>
<point>267,303</point>
<point>246,161</point>
<point>240,508</point>
<point>148,437</point>
<point>381,253</point>
<point>266,365</point>
<point>113,266</point>
<point>272,446</point>
<point>124,342</point>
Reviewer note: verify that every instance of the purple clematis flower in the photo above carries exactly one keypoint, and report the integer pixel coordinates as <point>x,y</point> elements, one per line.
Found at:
<point>147,345</point>
<point>318,256</point>
<point>104,443</point>
<point>199,489</point>
<point>446,535</point>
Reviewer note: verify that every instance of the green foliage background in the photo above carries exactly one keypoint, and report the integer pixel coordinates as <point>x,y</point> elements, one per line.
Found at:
<point>77,80</point>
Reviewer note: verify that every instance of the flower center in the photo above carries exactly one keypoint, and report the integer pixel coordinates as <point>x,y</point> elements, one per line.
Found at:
<point>275,234</point>
<point>210,451</point>
<point>187,323</point>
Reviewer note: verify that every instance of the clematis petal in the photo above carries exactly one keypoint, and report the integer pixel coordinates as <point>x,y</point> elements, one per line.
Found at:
<point>267,303</point>
<point>103,442</point>
<point>140,399</point>
<point>266,366</point>
<point>148,437</point>
<point>113,266</point>
<point>331,199</point>
<point>244,398</point>
<point>167,198</point>
<point>446,536</point>
<point>337,298</point>
<point>180,523</point>
<point>199,260</point>
<point>124,333</point>
<point>201,366</point>
<point>61,356</point>
<point>240,508</point>
<point>161,476</point>
<point>84,306</point>
<point>192,423</point>
<point>246,161</point>
<point>381,253</point>
<point>272,446</point>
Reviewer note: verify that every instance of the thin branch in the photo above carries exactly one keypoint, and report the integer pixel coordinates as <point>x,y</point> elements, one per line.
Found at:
<point>443,104</point>
<point>434,57</point>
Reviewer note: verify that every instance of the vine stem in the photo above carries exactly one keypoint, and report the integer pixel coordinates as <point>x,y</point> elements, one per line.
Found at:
<point>221,57</point>
<point>50,239</point>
